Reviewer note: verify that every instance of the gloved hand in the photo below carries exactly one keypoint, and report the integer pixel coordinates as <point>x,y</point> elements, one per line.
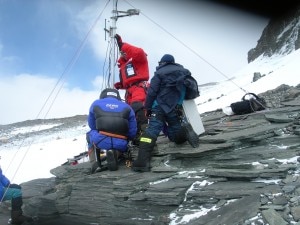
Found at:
<point>149,113</point>
<point>118,85</point>
<point>119,41</point>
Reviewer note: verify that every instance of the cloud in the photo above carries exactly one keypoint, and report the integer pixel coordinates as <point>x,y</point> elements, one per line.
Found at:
<point>27,97</point>
<point>200,35</point>
<point>30,71</point>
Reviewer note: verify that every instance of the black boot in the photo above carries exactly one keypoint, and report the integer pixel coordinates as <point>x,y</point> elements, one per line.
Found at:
<point>17,217</point>
<point>142,163</point>
<point>97,166</point>
<point>112,163</point>
<point>191,135</point>
<point>136,140</point>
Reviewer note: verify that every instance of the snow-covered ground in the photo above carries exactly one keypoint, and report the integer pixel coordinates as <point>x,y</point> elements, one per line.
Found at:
<point>275,71</point>
<point>36,155</point>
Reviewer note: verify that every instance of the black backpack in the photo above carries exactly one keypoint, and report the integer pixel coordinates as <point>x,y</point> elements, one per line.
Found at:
<point>191,88</point>
<point>248,106</point>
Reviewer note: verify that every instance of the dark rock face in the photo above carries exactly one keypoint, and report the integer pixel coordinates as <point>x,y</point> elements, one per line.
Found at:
<point>281,36</point>
<point>246,171</point>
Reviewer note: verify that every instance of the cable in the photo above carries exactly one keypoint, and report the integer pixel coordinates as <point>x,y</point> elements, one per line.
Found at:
<point>62,81</point>
<point>107,76</point>
<point>189,48</point>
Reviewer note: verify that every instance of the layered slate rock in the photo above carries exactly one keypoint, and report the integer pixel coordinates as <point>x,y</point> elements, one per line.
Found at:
<point>245,170</point>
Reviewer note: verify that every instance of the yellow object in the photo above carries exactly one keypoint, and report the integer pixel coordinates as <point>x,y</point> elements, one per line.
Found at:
<point>144,139</point>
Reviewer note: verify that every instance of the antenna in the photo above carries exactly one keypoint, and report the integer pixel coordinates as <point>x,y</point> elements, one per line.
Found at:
<point>112,32</point>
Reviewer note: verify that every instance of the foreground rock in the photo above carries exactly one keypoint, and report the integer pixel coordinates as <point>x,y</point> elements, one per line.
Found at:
<point>246,171</point>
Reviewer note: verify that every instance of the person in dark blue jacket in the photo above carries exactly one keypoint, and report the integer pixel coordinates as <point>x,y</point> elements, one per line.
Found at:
<point>113,124</point>
<point>13,192</point>
<point>164,107</point>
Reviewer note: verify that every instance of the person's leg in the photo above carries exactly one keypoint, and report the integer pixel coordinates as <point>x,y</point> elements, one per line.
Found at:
<point>192,137</point>
<point>148,140</point>
<point>112,161</point>
<point>137,99</point>
<point>91,149</point>
<point>15,195</point>
<point>174,127</point>
<point>95,156</point>
<point>97,159</point>
<point>10,193</point>
<point>92,154</point>
<point>180,131</point>
<point>141,119</point>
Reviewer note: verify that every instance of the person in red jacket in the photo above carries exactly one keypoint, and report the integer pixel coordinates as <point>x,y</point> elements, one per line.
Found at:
<point>134,76</point>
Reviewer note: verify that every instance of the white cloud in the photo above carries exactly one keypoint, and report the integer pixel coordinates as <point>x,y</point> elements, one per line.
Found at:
<point>195,34</point>
<point>27,97</point>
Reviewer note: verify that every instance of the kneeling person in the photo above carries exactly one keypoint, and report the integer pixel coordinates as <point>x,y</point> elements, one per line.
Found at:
<point>113,124</point>
<point>164,103</point>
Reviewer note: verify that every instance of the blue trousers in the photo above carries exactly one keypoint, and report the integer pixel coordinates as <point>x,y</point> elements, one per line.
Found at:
<point>160,119</point>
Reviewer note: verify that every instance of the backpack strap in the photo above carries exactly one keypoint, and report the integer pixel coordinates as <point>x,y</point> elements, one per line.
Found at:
<point>256,97</point>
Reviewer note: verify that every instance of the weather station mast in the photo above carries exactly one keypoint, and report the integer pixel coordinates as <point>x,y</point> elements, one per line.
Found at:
<point>112,32</point>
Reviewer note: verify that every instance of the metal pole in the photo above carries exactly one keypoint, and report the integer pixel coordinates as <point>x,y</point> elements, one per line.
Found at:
<point>112,31</point>
<point>112,39</point>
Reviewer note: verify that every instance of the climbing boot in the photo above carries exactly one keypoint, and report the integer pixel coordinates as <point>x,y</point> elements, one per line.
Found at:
<point>98,168</point>
<point>181,136</point>
<point>191,135</point>
<point>111,157</point>
<point>17,217</point>
<point>136,140</point>
<point>97,165</point>
<point>142,163</point>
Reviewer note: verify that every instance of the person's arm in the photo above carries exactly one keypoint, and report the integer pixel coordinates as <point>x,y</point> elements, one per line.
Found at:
<point>135,53</point>
<point>91,118</point>
<point>132,125</point>
<point>3,179</point>
<point>152,91</point>
<point>119,41</point>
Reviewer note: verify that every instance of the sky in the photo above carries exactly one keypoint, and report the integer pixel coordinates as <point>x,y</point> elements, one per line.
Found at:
<point>20,159</point>
<point>53,53</point>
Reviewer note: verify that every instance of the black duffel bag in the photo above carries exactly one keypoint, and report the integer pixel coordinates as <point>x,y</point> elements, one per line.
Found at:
<point>250,105</point>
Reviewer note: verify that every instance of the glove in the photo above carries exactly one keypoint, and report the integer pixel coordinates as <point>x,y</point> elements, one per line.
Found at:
<point>119,41</point>
<point>149,113</point>
<point>118,85</point>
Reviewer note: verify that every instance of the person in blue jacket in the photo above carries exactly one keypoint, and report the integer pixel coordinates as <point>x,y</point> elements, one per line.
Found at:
<point>113,124</point>
<point>13,192</point>
<point>164,107</point>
